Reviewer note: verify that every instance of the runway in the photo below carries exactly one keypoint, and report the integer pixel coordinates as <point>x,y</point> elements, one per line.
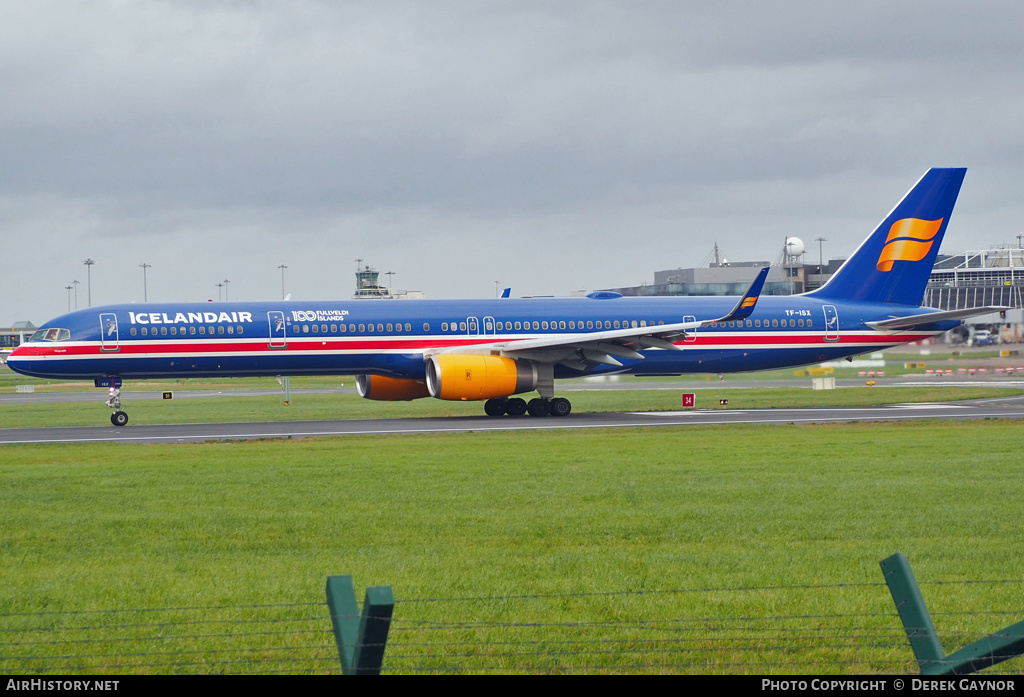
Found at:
<point>995,408</point>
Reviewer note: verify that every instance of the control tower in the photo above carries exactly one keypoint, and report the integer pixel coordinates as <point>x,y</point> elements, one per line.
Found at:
<point>367,284</point>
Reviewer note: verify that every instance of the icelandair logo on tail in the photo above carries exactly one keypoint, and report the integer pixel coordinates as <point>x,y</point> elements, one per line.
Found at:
<point>748,302</point>
<point>909,239</point>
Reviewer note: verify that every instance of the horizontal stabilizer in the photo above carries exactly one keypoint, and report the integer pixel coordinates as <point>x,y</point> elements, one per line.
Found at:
<point>897,323</point>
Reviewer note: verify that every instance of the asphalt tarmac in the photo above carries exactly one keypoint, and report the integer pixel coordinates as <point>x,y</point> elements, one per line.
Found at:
<point>995,408</point>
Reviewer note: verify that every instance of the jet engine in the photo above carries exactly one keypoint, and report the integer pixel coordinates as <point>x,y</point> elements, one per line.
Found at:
<point>466,377</point>
<point>385,389</point>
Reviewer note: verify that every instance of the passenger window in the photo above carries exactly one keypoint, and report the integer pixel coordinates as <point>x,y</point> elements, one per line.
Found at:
<point>220,329</point>
<point>239,330</point>
<point>757,323</point>
<point>192,330</point>
<point>462,326</point>
<point>444,326</point>
<point>315,329</point>
<point>536,324</point>
<point>519,326</point>
<point>426,327</point>
<point>544,325</point>
<point>810,323</point>
<point>132,331</point>
<point>231,330</point>
<point>572,324</point>
<point>391,327</point>
<point>408,327</point>
<point>362,328</point>
<point>775,322</point>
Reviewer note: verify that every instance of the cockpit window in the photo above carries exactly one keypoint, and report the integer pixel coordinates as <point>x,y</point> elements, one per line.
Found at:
<point>52,334</point>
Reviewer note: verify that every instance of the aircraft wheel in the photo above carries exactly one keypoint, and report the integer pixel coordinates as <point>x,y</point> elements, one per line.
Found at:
<point>515,407</point>
<point>119,418</point>
<point>560,406</point>
<point>539,407</point>
<point>494,407</point>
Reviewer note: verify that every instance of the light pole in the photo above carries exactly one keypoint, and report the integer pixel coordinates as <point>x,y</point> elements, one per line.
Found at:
<point>820,258</point>
<point>227,298</point>
<point>219,286</point>
<point>68,289</point>
<point>389,274</point>
<point>282,267</point>
<point>88,265</point>
<point>75,283</point>
<point>145,295</point>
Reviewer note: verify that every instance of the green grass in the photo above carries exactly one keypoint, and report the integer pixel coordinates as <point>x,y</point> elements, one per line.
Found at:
<point>501,516</point>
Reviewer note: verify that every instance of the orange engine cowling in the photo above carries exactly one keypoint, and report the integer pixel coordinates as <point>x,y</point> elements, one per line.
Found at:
<point>386,389</point>
<point>459,376</point>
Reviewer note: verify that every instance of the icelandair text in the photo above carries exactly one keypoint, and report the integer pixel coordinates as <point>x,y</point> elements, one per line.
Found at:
<point>189,317</point>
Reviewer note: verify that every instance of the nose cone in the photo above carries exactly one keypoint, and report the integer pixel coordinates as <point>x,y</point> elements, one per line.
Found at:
<point>18,358</point>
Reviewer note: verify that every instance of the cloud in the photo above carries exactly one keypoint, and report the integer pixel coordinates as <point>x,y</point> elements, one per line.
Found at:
<point>558,146</point>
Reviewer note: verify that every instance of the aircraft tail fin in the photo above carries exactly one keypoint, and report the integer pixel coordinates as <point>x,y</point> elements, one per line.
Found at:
<point>894,263</point>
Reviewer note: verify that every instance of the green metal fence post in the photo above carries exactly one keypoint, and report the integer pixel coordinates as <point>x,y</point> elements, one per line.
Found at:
<point>924,640</point>
<point>995,648</point>
<point>361,638</point>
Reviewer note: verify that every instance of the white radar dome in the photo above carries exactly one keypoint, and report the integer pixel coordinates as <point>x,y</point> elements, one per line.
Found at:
<point>794,246</point>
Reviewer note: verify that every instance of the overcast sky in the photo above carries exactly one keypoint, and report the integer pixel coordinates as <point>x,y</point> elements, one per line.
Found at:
<point>549,146</point>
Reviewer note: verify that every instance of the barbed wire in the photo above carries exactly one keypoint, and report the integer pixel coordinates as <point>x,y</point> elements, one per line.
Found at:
<point>481,644</point>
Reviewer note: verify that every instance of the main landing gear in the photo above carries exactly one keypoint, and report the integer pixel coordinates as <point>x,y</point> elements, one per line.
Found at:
<point>514,406</point>
<point>119,417</point>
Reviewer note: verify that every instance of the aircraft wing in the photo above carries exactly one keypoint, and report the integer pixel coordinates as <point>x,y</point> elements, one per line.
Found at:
<point>908,322</point>
<point>582,350</point>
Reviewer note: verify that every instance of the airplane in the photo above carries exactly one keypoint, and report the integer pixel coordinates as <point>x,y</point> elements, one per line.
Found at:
<point>492,350</point>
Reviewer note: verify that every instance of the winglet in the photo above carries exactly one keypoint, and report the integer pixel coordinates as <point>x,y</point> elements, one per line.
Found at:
<point>746,304</point>
<point>506,293</point>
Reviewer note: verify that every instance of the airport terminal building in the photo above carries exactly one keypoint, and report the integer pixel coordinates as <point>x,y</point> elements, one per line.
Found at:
<point>13,336</point>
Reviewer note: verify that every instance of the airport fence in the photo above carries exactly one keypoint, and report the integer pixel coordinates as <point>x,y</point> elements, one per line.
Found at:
<point>738,632</point>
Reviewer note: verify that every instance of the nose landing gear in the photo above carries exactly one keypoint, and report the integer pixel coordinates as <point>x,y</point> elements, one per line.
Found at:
<point>119,417</point>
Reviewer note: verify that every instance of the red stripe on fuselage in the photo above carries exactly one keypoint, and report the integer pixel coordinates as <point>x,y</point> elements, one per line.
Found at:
<point>414,345</point>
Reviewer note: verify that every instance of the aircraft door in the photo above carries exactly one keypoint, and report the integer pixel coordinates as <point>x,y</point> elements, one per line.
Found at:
<point>108,332</point>
<point>831,323</point>
<point>690,335</point>
<point>472,326</point>
<point>277,329</point>
<point>489,326</point>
